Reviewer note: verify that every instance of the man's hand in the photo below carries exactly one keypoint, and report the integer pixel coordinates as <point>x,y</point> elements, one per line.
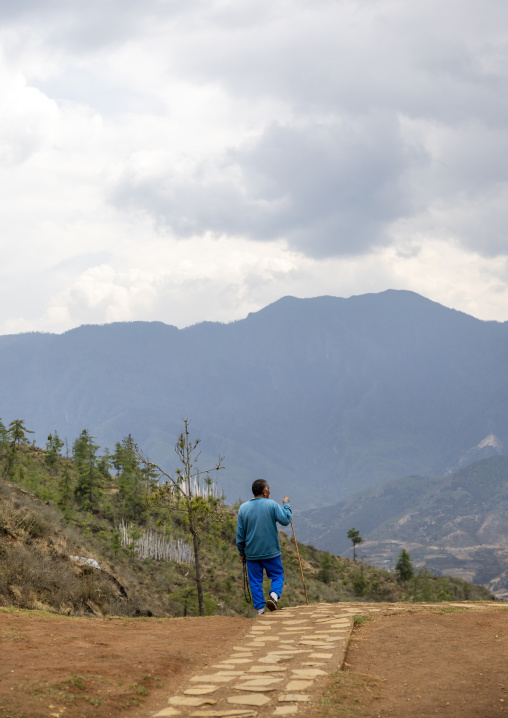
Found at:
<point>285,500</point>
<point>242,558</point>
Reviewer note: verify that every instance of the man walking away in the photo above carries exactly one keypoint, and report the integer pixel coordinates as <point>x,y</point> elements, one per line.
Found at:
<point>257,540</point>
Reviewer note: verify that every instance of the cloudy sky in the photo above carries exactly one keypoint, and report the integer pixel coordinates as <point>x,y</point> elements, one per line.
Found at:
<point>189,160</point>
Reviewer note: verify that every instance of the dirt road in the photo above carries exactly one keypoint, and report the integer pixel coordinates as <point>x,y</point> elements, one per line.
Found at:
<point>433,661</point>
<point>403,661</point>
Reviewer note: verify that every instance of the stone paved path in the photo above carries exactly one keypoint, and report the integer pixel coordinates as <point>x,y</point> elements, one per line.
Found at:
<point>286,655</point>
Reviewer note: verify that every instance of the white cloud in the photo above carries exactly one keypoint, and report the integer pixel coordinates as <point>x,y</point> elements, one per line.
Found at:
<point>187,160</point>
<point>27,120</point>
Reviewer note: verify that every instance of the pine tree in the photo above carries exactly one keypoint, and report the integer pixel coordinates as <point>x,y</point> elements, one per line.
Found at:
<point>4,442</point>
<point>65,489</point>
<point>17,433</point>
<point>404,568</point>
<point>89,487</point>
<point>116,542</point>
<point>4,437</point>
<point>135,483</point>
<point>355,537</point>
<point>53,446</point>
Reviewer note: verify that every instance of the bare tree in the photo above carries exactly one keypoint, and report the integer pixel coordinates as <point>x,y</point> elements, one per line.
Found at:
<point>184,487</point>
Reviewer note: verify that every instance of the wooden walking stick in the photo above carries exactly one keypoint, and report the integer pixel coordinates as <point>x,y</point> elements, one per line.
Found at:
<point>300,562</point>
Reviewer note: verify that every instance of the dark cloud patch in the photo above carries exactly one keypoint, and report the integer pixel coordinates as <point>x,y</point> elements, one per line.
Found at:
<point>328,189</point>
<point>364,112</point>
<point>434,61</point>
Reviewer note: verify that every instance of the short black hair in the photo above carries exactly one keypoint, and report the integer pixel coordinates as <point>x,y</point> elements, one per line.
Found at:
<point>259,486</point>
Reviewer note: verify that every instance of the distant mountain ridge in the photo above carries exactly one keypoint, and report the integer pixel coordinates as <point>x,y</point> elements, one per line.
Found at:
<point>455,524</point>
<point>321,396</point>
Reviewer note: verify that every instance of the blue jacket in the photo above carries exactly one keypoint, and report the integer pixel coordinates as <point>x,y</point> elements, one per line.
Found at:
<point>256,528</point>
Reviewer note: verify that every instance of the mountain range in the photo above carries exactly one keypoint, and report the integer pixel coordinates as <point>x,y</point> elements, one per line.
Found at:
<point>323,397</point>
<point>454,524</point>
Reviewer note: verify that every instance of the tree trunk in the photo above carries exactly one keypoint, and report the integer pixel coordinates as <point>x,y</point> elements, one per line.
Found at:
<point>197,564</point>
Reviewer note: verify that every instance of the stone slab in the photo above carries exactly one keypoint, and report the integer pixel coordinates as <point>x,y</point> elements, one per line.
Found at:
<point>165,712</point>
<point>321,655</point>
<point>287,651</point>
<point>322,614</point>
<point>200,690</point>
<point>338,624</point>
<point>251,699</point>
<point>298,685</point>
<point>265,669</point>
<point>259,689</point>
<point>273,659</point>
<point>234,660</point>
<point>285,710</point>
<point>294,698</point>
<point>215,678</point>
<point>308,672</point>
<point>190,701</point>
<point>259,682</point>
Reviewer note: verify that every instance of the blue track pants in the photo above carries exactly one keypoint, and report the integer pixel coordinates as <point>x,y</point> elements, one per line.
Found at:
<point>274,571</point>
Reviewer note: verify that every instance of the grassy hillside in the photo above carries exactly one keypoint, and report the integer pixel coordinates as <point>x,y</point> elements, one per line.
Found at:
<point>47,517</point>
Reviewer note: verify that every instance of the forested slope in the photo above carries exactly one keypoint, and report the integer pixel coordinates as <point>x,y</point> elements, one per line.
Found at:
<point>56,512</point>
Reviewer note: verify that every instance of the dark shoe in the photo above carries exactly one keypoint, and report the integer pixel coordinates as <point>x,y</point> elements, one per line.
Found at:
<point>271,604</point>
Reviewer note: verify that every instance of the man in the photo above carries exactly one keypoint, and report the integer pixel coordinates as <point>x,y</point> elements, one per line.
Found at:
<point>258,544</point>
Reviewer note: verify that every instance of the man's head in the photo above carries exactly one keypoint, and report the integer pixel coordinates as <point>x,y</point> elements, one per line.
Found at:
<point>260,488</point>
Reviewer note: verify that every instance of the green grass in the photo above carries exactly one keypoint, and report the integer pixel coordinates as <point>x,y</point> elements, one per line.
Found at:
<point>358,620</point>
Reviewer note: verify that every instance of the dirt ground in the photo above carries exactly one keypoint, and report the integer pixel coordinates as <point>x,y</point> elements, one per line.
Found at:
<point>430,662</point>
<point>422,662</point>
<point>79,667</point>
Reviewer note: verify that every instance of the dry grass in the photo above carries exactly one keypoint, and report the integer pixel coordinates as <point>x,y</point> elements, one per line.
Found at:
<point>37,573</point>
